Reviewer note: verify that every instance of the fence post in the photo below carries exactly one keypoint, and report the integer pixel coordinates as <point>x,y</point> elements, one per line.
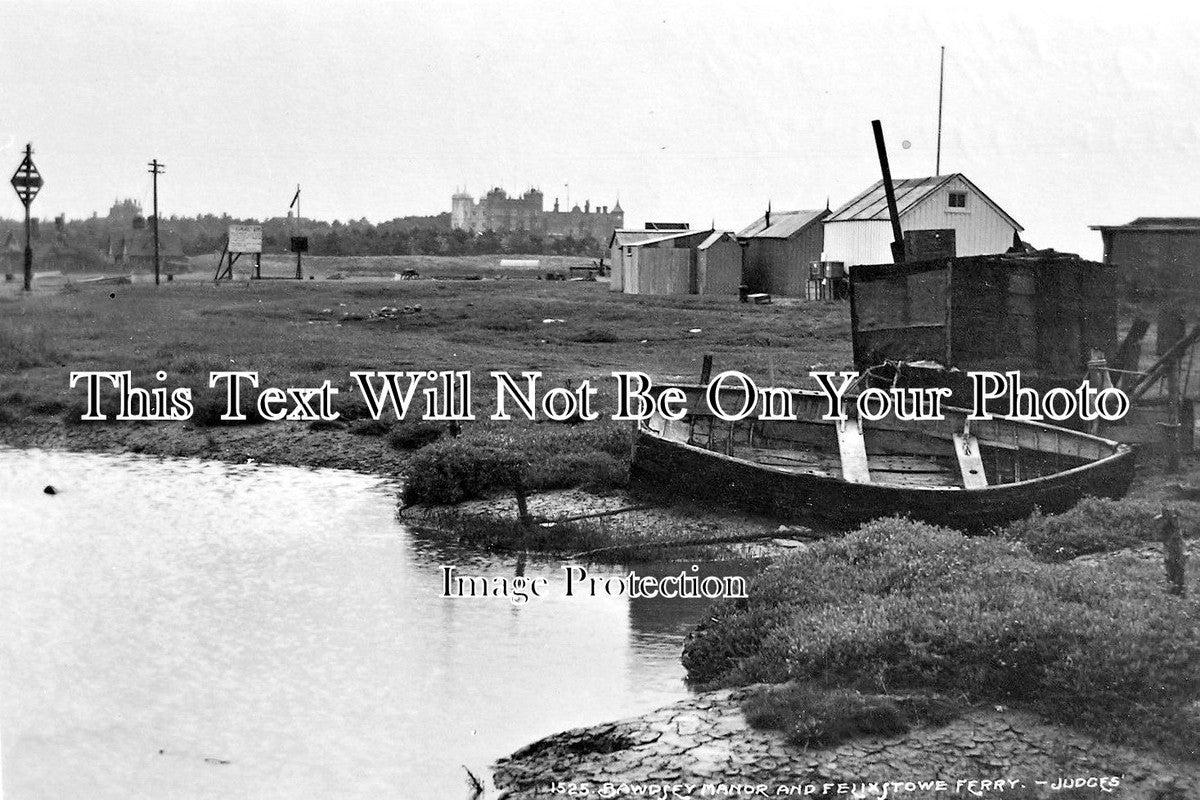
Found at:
<point>1173,555</point>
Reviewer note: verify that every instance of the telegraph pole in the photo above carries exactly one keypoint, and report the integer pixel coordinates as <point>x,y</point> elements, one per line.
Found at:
<point>156,169</point>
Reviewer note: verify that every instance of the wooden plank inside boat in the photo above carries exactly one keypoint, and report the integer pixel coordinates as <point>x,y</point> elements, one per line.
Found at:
<point>970,461</point>
<point>853,449</point>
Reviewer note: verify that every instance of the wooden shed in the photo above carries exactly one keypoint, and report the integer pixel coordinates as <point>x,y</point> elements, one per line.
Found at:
<point>718,265</point>
<point>667,264</point>
<point>620,250</point>
<point>780,247</point>
<point>860,232</point>
<point>1040,313</point>
<point>1155,257</point>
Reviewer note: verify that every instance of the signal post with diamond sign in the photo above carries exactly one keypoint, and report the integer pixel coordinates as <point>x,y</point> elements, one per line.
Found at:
<point>27,181</point>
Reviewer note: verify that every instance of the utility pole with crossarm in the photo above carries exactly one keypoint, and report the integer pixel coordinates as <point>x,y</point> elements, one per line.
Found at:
<point>156,169</point>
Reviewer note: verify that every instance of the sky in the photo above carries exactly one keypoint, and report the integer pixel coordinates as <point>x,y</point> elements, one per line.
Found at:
<point>1066,115</point>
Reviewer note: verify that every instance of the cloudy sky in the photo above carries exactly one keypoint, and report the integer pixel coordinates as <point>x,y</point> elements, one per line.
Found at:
<point>1065,114</point>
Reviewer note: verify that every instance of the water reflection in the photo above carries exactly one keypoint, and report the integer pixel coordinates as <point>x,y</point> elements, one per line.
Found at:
<point>189,629</point>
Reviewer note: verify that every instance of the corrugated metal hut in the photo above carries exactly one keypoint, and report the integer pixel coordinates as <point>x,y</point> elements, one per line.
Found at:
<point>780,247</point>
<point>664,264</point>
<point>1155,256</point>
<point>718,265</point>
<point>860,231</point>
<point>620,250</point>
<point>1041,313</point>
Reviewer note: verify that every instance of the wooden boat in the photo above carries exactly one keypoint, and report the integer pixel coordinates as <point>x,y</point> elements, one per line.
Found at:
<point>948,472</point>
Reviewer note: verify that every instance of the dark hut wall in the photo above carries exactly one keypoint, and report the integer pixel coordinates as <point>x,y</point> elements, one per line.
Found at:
<point>1040,316</point>
<point>1155,263</point>
<point>780,266</point>
<point>900,317</point>
<point>1081,318</point>
<point>994,317</point>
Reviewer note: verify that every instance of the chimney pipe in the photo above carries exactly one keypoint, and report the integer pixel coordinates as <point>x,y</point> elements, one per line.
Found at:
<point>889,190</point>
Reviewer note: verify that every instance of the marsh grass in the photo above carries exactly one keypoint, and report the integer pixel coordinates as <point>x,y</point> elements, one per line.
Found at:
<point>900,605</point>
<point>489,457</point>
<point>812,716</point>
<point>24,345</point>
<point>1095,525</point>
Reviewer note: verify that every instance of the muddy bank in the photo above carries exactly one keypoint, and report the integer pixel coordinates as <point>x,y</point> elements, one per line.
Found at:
<point>297,444</point>
<point>619,526</point>
<point>706,740</point>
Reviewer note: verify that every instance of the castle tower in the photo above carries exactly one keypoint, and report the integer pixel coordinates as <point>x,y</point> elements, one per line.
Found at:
<point>461,206</point>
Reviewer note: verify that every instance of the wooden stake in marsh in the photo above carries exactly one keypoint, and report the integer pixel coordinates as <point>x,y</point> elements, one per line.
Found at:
<point>1173,554</point>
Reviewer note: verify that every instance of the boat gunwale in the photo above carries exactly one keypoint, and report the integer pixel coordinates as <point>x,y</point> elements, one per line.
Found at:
<point>1120,452</point>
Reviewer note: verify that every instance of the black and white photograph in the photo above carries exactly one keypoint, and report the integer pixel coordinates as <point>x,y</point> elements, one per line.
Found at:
<point>510,400</point>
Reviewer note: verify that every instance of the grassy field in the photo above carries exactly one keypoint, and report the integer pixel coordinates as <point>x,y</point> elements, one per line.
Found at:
<point>301,333</point>
<point>351,267</point>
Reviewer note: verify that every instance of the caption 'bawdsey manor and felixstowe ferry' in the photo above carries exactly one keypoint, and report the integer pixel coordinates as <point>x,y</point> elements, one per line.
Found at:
<point>865,496</point>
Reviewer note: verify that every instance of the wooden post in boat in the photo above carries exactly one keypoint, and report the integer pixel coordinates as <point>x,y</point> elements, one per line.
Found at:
<point>1098,378</point>
<point>705,377</point>
<point>889,190</point>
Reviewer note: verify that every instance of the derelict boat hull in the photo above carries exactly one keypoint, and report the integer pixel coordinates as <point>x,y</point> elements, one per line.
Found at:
<point>941,472</point>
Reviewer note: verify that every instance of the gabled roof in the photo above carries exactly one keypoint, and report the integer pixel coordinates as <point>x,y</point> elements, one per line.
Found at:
<point>666,237</point>
<point>714,237</point>
<point>872,204</point>
<point>626,236</point>
<point>1154,224</point>
<point>784,224</point>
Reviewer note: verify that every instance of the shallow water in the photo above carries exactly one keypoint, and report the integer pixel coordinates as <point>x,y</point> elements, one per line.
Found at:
<point>188,629</point>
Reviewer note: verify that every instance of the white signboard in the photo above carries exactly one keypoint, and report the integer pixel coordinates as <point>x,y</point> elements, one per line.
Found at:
<point>245,238</point>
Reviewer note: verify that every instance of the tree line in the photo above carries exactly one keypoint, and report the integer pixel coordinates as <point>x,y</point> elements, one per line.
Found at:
<point>420,235</point>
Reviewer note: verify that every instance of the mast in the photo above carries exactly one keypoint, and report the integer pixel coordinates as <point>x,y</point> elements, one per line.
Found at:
<point>937,170</point>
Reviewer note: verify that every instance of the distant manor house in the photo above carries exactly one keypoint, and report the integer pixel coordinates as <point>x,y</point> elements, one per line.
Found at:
<point>496,211</point>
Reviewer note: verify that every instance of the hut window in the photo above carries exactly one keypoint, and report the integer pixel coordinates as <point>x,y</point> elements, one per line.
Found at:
<point>958,200</point>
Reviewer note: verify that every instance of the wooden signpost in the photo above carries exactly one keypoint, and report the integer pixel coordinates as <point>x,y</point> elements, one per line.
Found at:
<point>241,239</point>
<point>27,181</point>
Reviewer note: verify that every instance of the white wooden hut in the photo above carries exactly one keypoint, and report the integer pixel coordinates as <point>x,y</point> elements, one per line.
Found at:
<point>860,231</point>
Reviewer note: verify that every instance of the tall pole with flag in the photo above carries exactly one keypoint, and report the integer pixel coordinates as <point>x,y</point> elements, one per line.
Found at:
<point>296,228</point>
